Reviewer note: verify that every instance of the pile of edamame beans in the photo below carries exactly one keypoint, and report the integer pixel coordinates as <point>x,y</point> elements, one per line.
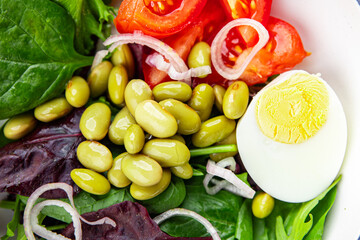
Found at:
<point>166,112</point>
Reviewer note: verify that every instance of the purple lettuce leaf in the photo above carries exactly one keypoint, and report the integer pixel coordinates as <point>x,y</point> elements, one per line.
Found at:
<point>46,155</point>
<point>132,223</point>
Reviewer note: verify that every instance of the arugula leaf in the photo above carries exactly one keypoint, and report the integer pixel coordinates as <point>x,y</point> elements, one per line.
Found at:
<point>13,224</point>
<point>304,219</point>
<point>89,17</point>
<point>172,197</point>
<point>37,56</point>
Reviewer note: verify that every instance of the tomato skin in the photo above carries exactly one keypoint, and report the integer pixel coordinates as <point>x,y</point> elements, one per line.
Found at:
<point>283,51</point>
<point>181,43</point>
<point>258,10</point>
<point>135,15</point>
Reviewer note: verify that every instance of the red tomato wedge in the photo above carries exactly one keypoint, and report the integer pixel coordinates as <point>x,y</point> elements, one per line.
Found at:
<point>283,51</point>
<point>157,18</point>
<point>258,10</point>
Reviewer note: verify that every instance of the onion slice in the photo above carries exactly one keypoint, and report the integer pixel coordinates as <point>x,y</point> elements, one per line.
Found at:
<point>233,73</point>
<point>185,212</point>
<point>231,183</point>
<point>31,224</point>
<point>176,68</point>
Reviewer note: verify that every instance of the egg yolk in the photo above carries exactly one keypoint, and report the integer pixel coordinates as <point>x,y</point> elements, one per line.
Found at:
<point>294,110</point>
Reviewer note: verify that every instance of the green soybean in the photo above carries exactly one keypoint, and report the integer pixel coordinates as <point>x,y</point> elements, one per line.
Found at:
<point>118,80</point>
<point>199,56</point>
<point>202,100</point>
<point>235,100</point>
<point>184,171</point>
<point>123,56</point>
<point>134,139</point>
<point>94,155</point>
<point>141,170</point>
<point>136,91</point>
<point>155,120</point>
<point>219,92</point>
<point>95,121</point>
<point>90,181</point>
<point>187,119</point>
<point>77,92</point>
<point>173,89</point>
<point>167,152</point>
<point>52,110</point>
<point>115,175</point>
<point>262,205</point>
<point>122,121</point>
<point>19,126</point>
<point>212,131</point>
<point>98,78</point>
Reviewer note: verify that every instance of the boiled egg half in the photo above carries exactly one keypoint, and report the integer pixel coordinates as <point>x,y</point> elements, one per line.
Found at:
<point>292,138</point>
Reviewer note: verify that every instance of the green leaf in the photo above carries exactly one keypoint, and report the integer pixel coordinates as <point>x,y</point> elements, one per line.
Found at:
<point>220,209</point>
<point>37,55</point>
<point>89,17</point>
<point>172,197</point>
<point>244,226</point>
<point>13,224</point>
<point>85,202</point>
<point>300,220</point>
<point>21,233</point>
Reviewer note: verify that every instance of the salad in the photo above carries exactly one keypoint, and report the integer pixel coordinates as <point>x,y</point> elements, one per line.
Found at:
<point>229,213</point>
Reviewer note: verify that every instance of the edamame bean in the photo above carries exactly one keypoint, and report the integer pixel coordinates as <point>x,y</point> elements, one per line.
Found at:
<point>123,56</point>
<point>90,181</point>
<point>19,126</point>
<point>235,100</point>
<point>98,78</point>
<point>173,89</point>
<point>213,130</point>
<point>167,152</point>
<point>202,100</point>
<point>155,120</point>
<point>122,121</point>
<point>115,175</point>
<point>134,139</point>
<point>231,139</point>
<point>136,91</point>
<point>95,156</point>
<point>177,137</point>
<point>118,80</point>
<point>219,92</point>
<point>145,193</point>
<point>77,92</point>
<point>95,121</point>
<point>262,205</point>
<point>52,110</point>
<point>187,119</point>
<point>184,171</point>
<point>141,170</point>
<point>199,56</point>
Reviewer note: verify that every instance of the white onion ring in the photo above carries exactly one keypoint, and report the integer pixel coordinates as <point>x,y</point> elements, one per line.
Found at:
<point>231,183</point>
<point>99,56</point>
<point>185,212</point>
<point>233,73</point>
<point>138,37</point>
<point>30,213</point>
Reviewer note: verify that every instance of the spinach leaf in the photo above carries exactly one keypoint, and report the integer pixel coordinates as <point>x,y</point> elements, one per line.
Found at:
<point>37,56</point>
<point>220,209</point>
<point>244,225</point>
<point>172,197</point>
<point>89,17</point>
<point>86,202</point>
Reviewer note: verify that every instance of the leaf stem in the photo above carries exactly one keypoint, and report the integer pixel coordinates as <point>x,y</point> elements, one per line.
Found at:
<point>213,149</point>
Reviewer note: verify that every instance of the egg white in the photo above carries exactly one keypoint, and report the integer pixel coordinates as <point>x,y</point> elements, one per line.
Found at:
<point>293,172</point>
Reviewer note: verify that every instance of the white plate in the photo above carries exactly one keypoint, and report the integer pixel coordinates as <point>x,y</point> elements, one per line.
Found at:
<point>330,30</point>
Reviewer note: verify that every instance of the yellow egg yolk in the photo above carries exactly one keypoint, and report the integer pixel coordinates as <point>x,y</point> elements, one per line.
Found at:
<point>294,110</point>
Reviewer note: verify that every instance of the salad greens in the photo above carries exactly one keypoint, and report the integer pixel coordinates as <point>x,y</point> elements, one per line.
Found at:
<point>37,55</point>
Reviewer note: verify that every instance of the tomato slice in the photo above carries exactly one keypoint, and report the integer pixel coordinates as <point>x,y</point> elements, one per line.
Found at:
<point>283,51</point>
<point>203,28</point>
<point>157,18</point>
<point>258,10</point>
